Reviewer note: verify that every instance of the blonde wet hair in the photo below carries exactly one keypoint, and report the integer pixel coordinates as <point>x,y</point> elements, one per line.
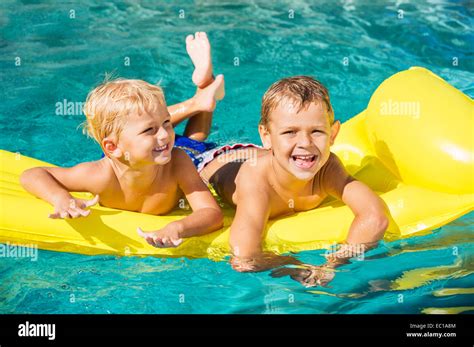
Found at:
<point>108,106</point>
<point>300,91</point>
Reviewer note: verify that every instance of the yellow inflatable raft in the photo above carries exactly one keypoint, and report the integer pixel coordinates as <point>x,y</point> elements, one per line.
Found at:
<point>413,145</point>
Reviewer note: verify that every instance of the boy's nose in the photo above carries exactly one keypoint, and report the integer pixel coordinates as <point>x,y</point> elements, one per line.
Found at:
<point>162,134</point>
<point>304,140</point>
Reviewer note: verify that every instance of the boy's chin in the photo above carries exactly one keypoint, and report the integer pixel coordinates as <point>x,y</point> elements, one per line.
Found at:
<point>162,160</point>
<point>301,174</point>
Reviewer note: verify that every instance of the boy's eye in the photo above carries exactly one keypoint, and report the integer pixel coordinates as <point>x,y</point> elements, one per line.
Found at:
<point>288,132</point>
<point>318,131</point>
<point>167,122</point>
<point>147,130</point>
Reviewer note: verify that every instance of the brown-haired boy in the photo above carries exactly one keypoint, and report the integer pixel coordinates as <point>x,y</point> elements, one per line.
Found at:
<point>295,171</point>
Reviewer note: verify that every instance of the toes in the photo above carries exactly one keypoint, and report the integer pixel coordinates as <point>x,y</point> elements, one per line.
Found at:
<point>201,35</point>
<point>189,39</point>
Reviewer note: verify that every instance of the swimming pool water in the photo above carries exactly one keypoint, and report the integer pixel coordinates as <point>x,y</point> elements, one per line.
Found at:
<point>63,50</point>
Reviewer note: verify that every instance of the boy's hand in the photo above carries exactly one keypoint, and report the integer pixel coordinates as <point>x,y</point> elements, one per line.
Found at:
<point>262,262</point>
<point>307,275</point>
<point>163,238</point>
<point>70,207</point>
<point>344,253</point>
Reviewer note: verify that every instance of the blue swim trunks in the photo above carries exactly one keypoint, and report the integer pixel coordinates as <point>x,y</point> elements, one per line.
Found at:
<point>202,153</point>
<point>194,148</point>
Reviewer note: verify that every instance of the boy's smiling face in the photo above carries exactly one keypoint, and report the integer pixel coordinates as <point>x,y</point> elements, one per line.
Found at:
<point>300,139</point>
<point>146,138</point>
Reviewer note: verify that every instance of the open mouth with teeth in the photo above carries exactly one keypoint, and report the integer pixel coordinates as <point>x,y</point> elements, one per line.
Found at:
<point>161,149</point>
<point>305,161</point>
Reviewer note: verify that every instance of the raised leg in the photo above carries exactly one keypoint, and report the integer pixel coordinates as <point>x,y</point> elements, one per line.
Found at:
<point>199,50</point>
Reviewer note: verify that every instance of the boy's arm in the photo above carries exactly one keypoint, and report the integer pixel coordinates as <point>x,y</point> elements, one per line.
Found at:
<point>252,212</point>
<point>368,227</point>
<point>53,185</point>
<point>247,229</point>
<point>370,212</point>
<point>207,215</point>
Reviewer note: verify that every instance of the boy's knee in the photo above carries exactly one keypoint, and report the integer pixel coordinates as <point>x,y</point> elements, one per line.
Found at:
<point>198,137</point>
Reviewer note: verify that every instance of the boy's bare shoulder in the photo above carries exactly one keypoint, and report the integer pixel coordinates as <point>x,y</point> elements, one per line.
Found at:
<point>180,161</point>
<point>178,155</point>
<point>333,162</point>
<point>252,179</point>
<point>100,174</point>
<point>256,171</point>
<point>334,176</point>
<point>182,168</point>
<point>92,176</point>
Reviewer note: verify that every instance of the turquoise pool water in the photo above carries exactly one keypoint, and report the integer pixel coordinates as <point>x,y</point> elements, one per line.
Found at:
<point>50,53</point>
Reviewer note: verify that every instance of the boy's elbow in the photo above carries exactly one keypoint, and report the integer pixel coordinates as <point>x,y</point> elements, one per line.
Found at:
<point>31,177</point>
<point>383,223</point>
<point>380,223</point>
<point>380,218</point>
<point>25,177</point>
<point>218,219</point>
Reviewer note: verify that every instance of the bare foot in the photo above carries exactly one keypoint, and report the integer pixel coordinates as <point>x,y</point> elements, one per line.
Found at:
<point>199,50</point>
<point>205,99</point>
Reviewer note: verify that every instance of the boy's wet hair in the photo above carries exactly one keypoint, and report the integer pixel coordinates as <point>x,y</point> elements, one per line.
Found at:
<point>108,106</point>
<point>300,90</point>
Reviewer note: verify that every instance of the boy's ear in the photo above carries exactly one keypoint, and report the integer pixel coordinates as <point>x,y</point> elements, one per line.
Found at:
<point>335,127</point>
<point>111,148</point>
<point>265,136</point>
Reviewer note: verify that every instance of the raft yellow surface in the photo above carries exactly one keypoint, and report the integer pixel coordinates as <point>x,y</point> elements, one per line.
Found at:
<point>413,145</point>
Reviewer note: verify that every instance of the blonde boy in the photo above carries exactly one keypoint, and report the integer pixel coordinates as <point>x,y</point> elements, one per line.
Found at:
<point>141,171</point>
